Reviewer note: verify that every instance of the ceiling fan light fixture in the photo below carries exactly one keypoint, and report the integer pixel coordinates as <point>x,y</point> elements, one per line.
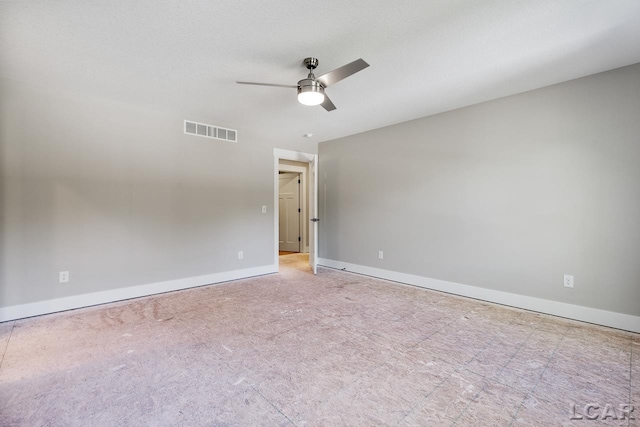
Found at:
<point>311,89</point>
<point>310,92</point>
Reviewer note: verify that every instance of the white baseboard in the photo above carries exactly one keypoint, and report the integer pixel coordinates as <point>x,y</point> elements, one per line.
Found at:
<point>85,300</point>
<point>570,311</point>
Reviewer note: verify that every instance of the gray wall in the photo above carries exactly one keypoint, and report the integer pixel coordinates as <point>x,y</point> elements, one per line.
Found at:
<point>119,196</point>
<point>508,195</point>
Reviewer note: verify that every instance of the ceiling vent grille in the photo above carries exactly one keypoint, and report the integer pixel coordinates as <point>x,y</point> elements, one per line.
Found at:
<point>209,131</point>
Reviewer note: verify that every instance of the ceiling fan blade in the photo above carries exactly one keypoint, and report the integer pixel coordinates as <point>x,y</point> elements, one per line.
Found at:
<point>266,84</point>
<point>327,104</point>
<point>333,77</point>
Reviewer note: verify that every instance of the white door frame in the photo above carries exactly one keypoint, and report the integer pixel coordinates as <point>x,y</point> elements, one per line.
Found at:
<point>304,217</point>
<point>281,154</point>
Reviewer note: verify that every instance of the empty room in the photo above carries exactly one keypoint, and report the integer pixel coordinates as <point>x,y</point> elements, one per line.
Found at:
<point>295,213</point>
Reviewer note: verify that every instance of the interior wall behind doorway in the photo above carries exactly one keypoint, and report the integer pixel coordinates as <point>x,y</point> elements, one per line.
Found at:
<point>303,169</point>
<point>289,212</point>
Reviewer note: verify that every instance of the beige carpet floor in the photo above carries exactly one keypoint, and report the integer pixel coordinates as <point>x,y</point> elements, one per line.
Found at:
<point>296,349</point>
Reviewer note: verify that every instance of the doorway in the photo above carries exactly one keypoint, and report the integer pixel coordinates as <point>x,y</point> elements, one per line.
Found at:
<point>304,166</point>
<point>289,212</point>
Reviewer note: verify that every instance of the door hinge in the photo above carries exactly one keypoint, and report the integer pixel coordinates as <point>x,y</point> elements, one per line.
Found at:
<point>298,181</point>
<point>299,210</point>
<point>299,238</point>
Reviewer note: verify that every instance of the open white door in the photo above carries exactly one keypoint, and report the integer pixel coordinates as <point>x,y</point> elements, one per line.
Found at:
<point>313,214</point>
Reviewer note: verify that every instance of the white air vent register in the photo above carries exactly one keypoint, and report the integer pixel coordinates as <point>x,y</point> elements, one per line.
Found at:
<point>209,131</point>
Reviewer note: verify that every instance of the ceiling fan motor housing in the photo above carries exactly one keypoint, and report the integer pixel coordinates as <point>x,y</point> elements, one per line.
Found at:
<point>310,85</point>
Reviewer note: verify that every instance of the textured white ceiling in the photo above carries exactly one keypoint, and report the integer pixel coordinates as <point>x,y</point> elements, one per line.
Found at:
<point>426,56</point>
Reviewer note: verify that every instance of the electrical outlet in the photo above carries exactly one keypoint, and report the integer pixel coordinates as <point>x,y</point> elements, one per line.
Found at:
<point>568,281</point>
<point>264,209</point>
<point>63,277</point>
<point>380,255</point>
<point>240,255</point>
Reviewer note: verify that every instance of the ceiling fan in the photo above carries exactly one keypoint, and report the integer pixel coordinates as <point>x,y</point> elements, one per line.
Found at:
<point>311,89</point>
